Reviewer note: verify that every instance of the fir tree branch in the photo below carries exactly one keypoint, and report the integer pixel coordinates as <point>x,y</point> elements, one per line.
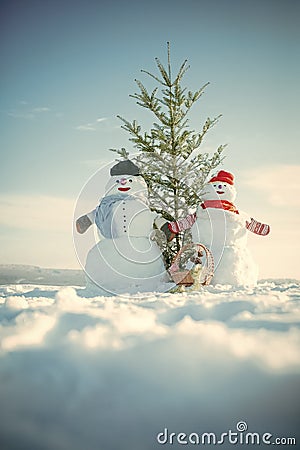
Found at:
<point>163,73</point>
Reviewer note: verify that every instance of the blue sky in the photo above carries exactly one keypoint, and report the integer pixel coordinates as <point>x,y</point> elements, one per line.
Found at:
<point>68,68</point>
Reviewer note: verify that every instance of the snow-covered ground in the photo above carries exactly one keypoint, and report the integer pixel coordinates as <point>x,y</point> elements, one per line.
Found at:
<point>79,373</point>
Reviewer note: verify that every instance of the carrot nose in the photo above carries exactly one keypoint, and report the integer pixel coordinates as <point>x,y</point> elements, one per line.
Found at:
<point>123,181</point>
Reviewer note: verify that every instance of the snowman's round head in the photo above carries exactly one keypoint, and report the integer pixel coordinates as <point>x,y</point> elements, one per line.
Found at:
<point>126,185</point>
<point>220,187</point>
<point>126,179</point>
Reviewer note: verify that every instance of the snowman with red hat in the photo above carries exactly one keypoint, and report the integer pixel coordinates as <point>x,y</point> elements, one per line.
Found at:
<point>221,227</point>
<point>126,259</point>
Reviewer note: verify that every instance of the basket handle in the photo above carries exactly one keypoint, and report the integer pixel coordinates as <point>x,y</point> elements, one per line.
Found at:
<point>210,264</point>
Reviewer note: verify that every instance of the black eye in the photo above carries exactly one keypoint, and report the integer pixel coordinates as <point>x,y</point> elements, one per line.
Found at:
<point>215,185</point>
<point>117,181</point>
<point>130,180</point>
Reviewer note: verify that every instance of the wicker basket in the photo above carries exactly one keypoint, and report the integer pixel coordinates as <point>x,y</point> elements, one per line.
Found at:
<point>184,277</point>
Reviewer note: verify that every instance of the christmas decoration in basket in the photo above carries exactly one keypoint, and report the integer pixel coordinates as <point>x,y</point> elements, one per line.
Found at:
<point>187,268</point>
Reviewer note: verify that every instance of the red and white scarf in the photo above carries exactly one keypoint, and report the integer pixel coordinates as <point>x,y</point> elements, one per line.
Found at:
<point>187,222</point>
<point>220,204</point>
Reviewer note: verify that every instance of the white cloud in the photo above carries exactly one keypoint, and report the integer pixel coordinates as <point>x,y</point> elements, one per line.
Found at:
<point>86,127</point>
<point>27,113</point>
<point>38,212</point>
<point>41,109</point>
<point>91,126</point>
<point>37,229</point>
<point>19,115</point>
<point>280,183</point>
<point>271,194</point>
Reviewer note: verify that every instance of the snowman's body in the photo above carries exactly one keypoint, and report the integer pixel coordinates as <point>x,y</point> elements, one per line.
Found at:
<point>125,260</point>
<point>224,232</point>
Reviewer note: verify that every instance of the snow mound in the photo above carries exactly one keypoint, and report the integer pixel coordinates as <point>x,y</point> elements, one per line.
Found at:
<point>82,372</point>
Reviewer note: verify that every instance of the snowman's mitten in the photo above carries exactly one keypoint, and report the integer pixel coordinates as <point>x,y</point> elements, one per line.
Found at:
<point>262,229</point>
<point>163,225</point>
<point>82,224</point>
<point>169,234</point>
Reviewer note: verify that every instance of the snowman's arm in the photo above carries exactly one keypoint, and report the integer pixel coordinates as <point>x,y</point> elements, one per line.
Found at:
<point>163,225</point>
<point>182,224</point>
<point>84,222</point>
<point>262,229</point>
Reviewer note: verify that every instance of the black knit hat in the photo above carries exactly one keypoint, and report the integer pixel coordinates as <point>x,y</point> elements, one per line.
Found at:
<point>126,167</point>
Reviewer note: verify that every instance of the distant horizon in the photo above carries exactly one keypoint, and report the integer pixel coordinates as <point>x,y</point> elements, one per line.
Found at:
<point>80,269</point>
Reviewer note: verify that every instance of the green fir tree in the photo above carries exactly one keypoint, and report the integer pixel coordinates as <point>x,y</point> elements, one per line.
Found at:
<point>168,154</point>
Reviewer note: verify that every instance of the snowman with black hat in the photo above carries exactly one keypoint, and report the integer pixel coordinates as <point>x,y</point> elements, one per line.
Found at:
<point>126,259</point>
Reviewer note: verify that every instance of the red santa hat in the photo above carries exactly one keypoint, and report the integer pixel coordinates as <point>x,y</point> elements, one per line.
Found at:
<point>224,177</point>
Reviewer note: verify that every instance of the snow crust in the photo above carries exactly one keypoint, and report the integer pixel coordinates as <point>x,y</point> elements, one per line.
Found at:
<point>110,373</point>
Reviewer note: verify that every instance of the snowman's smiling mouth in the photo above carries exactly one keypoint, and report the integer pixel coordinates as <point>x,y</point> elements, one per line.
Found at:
<point>220,192</point>
<point>123,189</point>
